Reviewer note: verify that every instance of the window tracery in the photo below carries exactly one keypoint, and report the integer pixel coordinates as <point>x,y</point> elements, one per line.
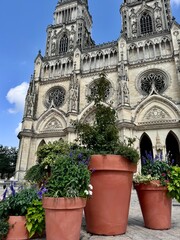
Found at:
<point>153,80</point>
<point>93,90</point>
<point>63,45</point>
<point>146,23</point>
<point>55,97</point>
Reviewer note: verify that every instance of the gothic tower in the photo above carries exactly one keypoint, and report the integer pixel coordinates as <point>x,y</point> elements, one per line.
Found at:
<point>142,67</point>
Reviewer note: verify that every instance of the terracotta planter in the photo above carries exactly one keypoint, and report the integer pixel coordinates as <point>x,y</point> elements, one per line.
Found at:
<point>107,210</point>
<point>155,205</point>
<point>63,217</point>
<point>17,228</point>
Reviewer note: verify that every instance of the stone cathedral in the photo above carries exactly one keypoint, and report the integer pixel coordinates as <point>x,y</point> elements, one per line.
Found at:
<point>142,67</point>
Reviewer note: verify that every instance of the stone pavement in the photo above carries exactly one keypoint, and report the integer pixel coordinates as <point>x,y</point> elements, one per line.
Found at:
<point>136,229</point>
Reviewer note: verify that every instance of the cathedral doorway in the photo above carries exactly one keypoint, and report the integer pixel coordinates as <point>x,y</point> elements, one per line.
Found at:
<point>172,147</point>
<point>145,146</point>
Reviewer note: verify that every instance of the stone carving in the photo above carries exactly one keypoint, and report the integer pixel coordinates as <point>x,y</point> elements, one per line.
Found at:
<point>30,98</point>
<point>123,91</point>
<point>53,42</point>
<point>155,114</point>
<point>157,16</point>
<point>73,94</point>
<point>133,22</point>
<point>53,124</point>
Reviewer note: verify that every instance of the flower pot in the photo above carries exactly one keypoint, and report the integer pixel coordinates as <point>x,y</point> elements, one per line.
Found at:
<point>17,228</point>
<point>107,210</point>
<point>155,205</point>
<point>63,217</point>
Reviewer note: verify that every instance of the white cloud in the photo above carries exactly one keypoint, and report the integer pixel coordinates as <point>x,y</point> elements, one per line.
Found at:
<point>176,2</point>
<point>18,129</point>
<point>17,96</point>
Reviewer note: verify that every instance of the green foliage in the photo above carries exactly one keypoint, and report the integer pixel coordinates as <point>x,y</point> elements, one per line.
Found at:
<point>48,152</point>
<point>36,174</point>
<point>17,205</point>
<point>174,183</point>
<point>103,136</point>
<point>128,152</point>
<point>47,155</point>
<point>35,218</point>
<point>138,178</point>
<point>69,177</point>
<point>8,158</point>
<point>4,228</point>
<point>156,167</point>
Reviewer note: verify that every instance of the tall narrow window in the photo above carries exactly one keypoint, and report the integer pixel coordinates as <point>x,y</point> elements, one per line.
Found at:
<point>146,23</point>
<point>63,46</point>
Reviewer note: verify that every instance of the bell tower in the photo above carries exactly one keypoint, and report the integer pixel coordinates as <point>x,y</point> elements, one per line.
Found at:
<point>145,17</point>
<point>71,27</point>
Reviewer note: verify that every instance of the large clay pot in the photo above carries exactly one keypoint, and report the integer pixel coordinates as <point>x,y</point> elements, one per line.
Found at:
<point>155,205</point>
<point>17,228</point>
<point>107,210</point>
<point>63,217</point>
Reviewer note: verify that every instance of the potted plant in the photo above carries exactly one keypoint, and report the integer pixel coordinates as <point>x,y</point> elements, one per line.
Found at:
<point>67,190</point>
<point>14,208</point>
<point>112,164</point>
<point>152,191</point>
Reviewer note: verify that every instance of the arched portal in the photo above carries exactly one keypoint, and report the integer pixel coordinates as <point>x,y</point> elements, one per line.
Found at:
<point>172,148</point>
<point>145,146</point>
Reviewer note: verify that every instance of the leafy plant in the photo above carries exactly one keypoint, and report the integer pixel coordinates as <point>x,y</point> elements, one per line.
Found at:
<point>35,218</point>
<point>69,178</point>
<point>174,183</point>
<point>47,152</point>
<point>35,174</point>
<point>17,203</point>
<point>103,136</point>
<point>4,228</point>
<point>156,168</point>
<point>127,151</point>
<point>139,178</point>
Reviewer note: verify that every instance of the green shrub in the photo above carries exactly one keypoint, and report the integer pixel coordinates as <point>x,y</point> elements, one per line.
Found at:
<point>174,183</point>
<point>35,218</point>
<point>69,178</point>
<point>4,228</point>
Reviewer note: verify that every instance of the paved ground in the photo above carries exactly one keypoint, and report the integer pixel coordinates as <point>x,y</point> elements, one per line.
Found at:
<point>136,229</point>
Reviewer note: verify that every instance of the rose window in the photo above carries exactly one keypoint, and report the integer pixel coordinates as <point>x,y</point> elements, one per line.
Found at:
<point>153,80</point>
<point>93,90</point>
<point>55,97</point>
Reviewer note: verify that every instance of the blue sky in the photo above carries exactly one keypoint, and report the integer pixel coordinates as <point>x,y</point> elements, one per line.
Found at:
<point>23,34</point>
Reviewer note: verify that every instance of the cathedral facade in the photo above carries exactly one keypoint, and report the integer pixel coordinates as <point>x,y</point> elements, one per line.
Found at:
<point>142,67</point>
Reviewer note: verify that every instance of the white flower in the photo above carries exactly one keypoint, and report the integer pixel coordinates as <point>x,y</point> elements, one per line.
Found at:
<point>86,192</point>
<point>90,192</point>
<point>90,186</point>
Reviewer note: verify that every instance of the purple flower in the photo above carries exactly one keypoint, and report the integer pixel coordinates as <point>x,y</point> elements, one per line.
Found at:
<point>80,155</point>
<point>4,193</point>
<point>12,190</point>
<point>41,191</point>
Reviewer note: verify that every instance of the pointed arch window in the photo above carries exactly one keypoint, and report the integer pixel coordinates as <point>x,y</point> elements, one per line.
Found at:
<point>63,45</point>
<point>146,23</point>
